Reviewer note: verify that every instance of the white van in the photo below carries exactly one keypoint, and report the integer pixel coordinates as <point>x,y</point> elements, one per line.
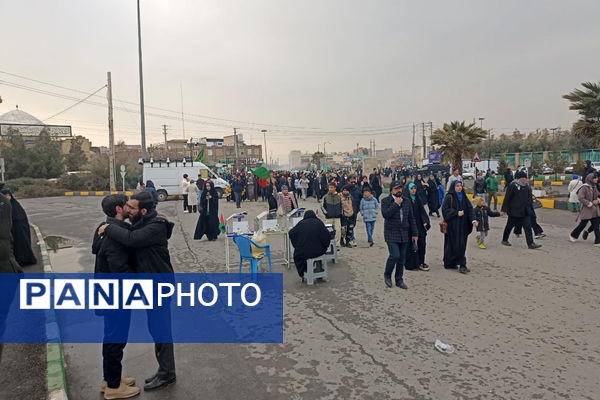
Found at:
<point>167,177</point>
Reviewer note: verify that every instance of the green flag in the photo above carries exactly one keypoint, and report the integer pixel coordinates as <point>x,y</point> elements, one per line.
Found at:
<point>201,155</point>
<point>262,172</point>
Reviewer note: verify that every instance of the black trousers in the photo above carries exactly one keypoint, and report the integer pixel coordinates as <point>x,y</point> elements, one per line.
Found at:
<point>116,328</point>
<point>595,226</point>
<point>537,229</point>
<point>193,209</point>
<point>185,203</point>
<point>159,325</point>
<point>524,222</point>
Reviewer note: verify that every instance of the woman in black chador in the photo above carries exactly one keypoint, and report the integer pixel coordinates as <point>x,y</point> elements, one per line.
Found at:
<point>208,221</point>
<point>20,232</point>
<point>458,213</point>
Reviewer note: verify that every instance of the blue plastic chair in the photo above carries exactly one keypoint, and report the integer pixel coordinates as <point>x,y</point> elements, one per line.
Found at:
<point>244,246</point>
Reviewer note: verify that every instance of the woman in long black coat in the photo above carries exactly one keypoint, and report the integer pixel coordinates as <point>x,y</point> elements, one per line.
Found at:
<point>208,221</point>
<point>458,213</point>
<point>416,259</point>
<point>20,232</point>
<point>433,197</point>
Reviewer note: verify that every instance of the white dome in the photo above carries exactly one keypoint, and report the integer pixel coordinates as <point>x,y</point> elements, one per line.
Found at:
<point>19,117</point>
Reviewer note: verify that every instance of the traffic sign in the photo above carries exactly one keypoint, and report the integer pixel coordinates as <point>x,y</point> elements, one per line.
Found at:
<point>476,157</point>
<point>122,168</point>
<point>528,162</point>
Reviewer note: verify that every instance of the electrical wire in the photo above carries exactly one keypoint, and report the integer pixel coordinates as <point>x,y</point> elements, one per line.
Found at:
<point>71,106</point>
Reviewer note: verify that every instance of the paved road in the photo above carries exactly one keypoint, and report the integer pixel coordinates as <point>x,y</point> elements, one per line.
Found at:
<point>524,323</point>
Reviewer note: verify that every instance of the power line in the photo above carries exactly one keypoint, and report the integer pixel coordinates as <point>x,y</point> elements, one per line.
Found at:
<point>300,128</point>
<point>71,106</point>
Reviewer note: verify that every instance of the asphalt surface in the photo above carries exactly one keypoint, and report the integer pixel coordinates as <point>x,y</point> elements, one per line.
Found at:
<point>524,323</point>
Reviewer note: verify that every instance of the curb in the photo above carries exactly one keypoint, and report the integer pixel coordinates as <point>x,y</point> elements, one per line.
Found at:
<point>102,193</point>
<point>546,203</point>
<point>56,377</point>
<point>98,193</point>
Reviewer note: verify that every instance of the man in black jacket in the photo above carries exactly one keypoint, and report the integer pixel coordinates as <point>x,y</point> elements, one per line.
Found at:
<point>149,237</point>
<point>310,239</point>
<point>113,257</point>
<point>398,229</point>
<point>517,204</point>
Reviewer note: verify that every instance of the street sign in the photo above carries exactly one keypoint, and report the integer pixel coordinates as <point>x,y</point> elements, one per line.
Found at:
<point>122,168</point>
<point>476,157</point>
<point>123,173</point>
<point>528,162</point>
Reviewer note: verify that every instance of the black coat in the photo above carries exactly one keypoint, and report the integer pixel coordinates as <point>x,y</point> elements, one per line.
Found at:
<point>481,216</point>
<point>356,193</point>
<point>111,256</point>
<point>309,237</point>
<point>517,200</point>
<point>150,239</point>
<point>8,264</point>
<point>208,220</point>
<point>399,221</point>
<point>421,217</point>
<point>433,196</point>
<point>459,228</point>
<point>21,234</point>
<point>480,185</point>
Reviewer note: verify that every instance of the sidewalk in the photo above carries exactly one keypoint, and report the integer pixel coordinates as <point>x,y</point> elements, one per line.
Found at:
<point>23,365</point>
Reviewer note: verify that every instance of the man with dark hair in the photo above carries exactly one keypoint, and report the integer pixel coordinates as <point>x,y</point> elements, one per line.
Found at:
<point>399,229</point>
<point>518,205</point>
<point>113,257</point>
<point>149,237</point>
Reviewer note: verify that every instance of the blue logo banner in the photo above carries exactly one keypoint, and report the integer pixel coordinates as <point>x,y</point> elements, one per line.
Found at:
<point>141,308</point>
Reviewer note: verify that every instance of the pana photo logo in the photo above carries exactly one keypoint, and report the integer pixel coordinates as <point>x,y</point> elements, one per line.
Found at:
<point>73,294</point>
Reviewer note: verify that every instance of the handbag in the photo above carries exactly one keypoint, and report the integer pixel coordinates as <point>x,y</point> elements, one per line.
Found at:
<point>444,223</point>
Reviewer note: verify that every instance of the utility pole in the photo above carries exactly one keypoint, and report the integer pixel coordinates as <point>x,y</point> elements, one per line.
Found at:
<point>166,144</point>
<point>111,134</point>
<point>264,132</point>
<point>142,117</point>
<point>235,149</point>
<point>182,118</point>
<point>424,143</point>
<point>413,146</point>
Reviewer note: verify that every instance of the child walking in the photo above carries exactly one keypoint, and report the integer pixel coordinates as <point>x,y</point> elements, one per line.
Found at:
<point>369,207</point>
<point>482,212</point>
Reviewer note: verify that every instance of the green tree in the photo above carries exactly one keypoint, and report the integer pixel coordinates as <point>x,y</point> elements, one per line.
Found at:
<point>76,157</point>
<point>457,139</point>
<point>317,158</point>
<point>502,164</point>
<point>556,161</point>
<point>44,158</point>
<point>587,104</point>
<point>15,155</point>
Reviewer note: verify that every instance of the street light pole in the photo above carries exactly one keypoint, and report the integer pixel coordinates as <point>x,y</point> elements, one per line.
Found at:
<point>264,132</point>
<point>142,117</point>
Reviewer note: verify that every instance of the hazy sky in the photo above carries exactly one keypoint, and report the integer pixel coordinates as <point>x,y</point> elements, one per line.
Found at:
<point>331,66</point>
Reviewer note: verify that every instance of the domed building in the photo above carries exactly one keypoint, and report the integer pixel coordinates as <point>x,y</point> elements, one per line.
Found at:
<point>18,121</point>
<point>29,126</point>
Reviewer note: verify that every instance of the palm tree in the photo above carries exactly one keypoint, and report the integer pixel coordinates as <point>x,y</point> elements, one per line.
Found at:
<point>457,139</point>
<point>587,104</point>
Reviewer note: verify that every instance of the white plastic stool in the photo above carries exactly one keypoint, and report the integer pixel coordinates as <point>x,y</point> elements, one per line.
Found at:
<point>314,264</point>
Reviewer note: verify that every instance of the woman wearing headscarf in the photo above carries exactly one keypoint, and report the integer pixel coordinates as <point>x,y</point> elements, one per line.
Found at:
<point>415,255</point>
<point>20,231</point>
<point>152,190</point>
<point>458,213</point>
<point>433,196</point>
<point>208,220</point>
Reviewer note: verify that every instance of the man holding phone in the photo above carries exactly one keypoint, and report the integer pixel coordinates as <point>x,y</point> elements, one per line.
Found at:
<point>399,229</point>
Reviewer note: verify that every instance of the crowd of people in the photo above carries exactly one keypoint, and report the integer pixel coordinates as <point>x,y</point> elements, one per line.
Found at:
<point>141,245</point>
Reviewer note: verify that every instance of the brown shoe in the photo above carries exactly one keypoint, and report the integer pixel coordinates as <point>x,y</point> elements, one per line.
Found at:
<point>122,392</point>
<point>126,380</point>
